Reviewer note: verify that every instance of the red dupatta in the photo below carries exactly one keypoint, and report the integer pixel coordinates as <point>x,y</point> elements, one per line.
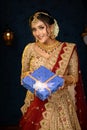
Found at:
<point>80,97</point>
<point>81,102</point>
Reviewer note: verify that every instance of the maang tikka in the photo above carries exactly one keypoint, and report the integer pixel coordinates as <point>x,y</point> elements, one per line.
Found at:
<point>35,19</point>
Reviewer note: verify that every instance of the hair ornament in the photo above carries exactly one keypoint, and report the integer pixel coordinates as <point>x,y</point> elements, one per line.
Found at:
<point>56,28</point>
<point>35,19</point>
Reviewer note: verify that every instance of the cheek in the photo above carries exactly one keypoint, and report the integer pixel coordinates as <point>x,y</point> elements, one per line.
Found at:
<point>33,33</point>
<point>45,32</point>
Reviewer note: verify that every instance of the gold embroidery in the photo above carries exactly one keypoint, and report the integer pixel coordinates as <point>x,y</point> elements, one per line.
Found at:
<point>65,59</point>
<point>55,116</point>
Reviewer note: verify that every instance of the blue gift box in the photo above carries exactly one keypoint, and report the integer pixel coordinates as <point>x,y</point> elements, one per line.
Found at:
<point>42,82</point>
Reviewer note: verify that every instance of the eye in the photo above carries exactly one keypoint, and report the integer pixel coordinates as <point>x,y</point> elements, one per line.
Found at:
<point>41,27</point>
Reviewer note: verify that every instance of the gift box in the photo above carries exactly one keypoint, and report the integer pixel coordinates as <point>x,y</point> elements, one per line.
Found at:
<point>42,82</point>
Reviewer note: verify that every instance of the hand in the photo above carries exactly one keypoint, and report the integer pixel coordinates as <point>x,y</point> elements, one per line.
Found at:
<point>69,79</point>
<point>62,87</point>
<point>25,74</point>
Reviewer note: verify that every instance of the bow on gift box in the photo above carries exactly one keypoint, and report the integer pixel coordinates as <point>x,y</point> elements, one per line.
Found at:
<point>39,85</point>
<point>42,82</point>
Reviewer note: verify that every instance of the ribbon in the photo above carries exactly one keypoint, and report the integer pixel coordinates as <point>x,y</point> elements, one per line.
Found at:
<point>39,85</point>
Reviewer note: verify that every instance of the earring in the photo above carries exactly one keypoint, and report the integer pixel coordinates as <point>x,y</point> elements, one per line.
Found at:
<point>36,40</point>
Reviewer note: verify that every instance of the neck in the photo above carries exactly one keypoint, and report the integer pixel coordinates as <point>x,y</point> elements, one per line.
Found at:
<point>49,42</point>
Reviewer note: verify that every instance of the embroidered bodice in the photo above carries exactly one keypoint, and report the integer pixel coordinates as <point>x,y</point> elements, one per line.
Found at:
<point>34,57</point>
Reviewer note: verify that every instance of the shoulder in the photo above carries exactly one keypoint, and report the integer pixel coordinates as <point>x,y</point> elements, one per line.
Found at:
<point>29,45</point>
<point>28,48</point>
<point>69,44</point>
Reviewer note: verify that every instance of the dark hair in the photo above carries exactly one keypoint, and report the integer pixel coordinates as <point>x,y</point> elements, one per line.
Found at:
<point>42,16</point>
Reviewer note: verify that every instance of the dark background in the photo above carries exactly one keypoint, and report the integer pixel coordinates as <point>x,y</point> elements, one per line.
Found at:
<point>72,18</point>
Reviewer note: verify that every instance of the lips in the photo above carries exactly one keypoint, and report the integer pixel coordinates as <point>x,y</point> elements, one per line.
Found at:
<point>40,37</point>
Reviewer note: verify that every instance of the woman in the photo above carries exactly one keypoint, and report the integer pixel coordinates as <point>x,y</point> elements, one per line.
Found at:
<point>58,111</point>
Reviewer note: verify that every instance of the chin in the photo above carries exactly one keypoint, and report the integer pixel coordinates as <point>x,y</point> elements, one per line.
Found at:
<point>42,41</point>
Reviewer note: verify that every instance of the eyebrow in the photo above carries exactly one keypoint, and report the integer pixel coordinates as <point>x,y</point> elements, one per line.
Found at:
<point>42,25</point>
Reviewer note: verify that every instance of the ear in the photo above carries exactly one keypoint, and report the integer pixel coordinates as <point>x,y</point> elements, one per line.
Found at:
<point>52,36</point>
<point>52,27</point>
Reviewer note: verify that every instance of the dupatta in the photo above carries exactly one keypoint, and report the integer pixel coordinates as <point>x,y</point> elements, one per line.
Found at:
<point>80,98</point>
<point>81,102</point>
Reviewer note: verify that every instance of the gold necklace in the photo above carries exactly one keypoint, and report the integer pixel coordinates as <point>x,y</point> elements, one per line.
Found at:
<point>48,48</point>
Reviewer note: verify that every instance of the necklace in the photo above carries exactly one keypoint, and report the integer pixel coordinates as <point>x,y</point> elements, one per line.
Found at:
<point>48,48</point>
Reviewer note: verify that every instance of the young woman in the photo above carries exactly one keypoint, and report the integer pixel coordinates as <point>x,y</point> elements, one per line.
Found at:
<point>58,112</point>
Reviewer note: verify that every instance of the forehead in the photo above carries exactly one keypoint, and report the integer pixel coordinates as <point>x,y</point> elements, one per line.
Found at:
<point>37,23</point>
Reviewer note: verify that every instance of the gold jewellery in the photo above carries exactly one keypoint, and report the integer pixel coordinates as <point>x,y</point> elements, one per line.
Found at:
<point>35,19</point>
<point>48,48</point>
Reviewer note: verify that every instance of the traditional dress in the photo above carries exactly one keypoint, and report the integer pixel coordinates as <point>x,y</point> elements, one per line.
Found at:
<point>58,112</point>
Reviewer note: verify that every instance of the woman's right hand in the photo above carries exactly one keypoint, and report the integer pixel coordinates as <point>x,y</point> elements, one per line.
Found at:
<point>24,74</point>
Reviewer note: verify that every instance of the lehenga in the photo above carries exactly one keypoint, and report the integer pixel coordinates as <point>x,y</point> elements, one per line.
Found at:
<point>58,112</point>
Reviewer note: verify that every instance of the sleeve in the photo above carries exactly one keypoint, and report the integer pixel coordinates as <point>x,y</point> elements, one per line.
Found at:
<point>25,60</point>
<point>24,71</point>
<point>73,66</point>
<point>72,75</point>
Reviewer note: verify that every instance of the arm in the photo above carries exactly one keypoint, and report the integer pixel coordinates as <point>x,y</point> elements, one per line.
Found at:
<point>25,61</point>
<point>72,75</point>
<point>24,72</point>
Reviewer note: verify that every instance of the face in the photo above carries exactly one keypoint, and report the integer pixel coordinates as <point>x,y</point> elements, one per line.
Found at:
<point>41,31</point>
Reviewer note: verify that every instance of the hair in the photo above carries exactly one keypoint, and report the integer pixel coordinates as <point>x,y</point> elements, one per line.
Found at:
<point>45,17</point>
